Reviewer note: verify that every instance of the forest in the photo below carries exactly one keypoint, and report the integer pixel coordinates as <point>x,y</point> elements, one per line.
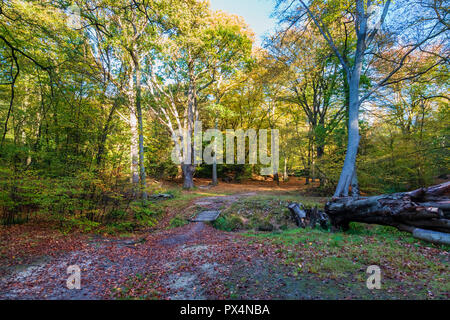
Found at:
<point>100,103</point>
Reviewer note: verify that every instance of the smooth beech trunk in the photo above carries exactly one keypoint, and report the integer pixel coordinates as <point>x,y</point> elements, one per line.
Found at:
<point>215,181</point>
<point>134,153</point>
<point>188,176</point>
<point>138,176</point>
<point>348,170</point>
<point>188,167</point>
<point>285,173</point>
<point>142,175</point>
<point>364,35</point>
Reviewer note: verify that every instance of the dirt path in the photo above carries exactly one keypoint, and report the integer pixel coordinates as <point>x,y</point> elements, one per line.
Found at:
<point>191,262</point>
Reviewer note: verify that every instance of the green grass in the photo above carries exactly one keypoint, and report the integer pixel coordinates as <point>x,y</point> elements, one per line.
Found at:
<point>406,263</point>
<point>177,222</point>
<point>263,213</point>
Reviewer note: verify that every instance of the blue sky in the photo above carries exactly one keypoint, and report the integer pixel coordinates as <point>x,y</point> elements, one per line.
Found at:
<point>255,12</point>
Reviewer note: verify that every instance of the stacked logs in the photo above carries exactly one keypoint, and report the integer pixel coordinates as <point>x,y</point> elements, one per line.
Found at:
<point>424,212</point>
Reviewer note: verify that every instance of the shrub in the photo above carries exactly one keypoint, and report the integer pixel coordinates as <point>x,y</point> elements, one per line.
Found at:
<point>229,223</point>
<point>177,222</point>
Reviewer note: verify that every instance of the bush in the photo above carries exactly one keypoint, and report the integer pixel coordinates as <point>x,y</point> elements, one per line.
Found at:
<point>121,227</point>
<point>229,223</point>
<point>178,222</point>
<point>162,170</point>
<point>88,195</point>
<point>147,214</point>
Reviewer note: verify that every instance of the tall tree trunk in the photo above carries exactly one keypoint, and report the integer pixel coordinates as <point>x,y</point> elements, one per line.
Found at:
<point>142,175</point>
<point>215,181</point>
<point>309,161</point>
<point>353,142</point>
<point>355,186</point>
<point>188,167</point>
<point>188,176</point>
<point>353,118</point>
<point>285,174</point>
<point>313,164</point>
<point>275,165</point>
<point>134,156</point>
<point>353,78</point>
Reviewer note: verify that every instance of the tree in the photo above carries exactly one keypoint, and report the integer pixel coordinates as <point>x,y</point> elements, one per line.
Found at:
<point>130,31</point>
<point>204,45</point>
<point>368,39</point>
<point>311,77</point>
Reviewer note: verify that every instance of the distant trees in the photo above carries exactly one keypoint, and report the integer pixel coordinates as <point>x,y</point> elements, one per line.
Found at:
<point>312,82</point>
<point>203,47</point>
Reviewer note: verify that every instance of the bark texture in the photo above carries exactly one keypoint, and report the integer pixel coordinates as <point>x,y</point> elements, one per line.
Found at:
<point>424,212</point>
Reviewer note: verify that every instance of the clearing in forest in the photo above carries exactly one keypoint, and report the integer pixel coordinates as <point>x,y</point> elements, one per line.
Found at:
<point>201,261</point>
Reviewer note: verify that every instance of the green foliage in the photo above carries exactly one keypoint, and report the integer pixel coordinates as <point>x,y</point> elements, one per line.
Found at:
<point>178,222</point>
<point>230,223</point>
<point>123,227</point>
<point>162,170</point>
<point>70,224</point>
<point>87,196</point>
<point>146,214</point>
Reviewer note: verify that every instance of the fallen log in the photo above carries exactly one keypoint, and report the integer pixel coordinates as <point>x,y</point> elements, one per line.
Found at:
<point>426,235</point>
<point>426,209</point>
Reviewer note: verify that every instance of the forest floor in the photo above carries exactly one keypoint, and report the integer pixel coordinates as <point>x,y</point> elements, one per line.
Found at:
<point>198,261</point>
